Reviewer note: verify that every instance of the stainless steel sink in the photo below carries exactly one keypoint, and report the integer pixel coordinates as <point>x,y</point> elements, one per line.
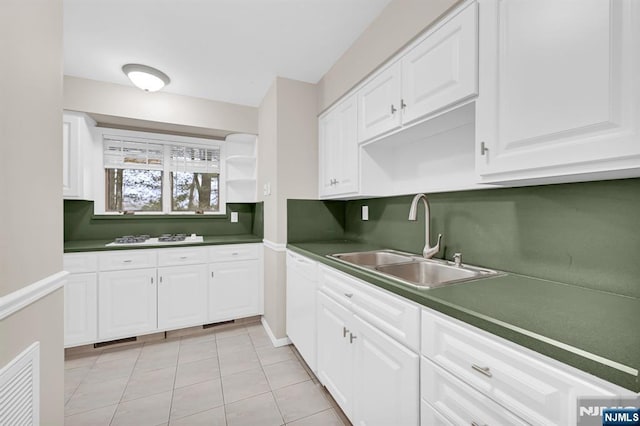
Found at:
<point>433,273</point>
<point>375,258</point>
<point>413,270</point>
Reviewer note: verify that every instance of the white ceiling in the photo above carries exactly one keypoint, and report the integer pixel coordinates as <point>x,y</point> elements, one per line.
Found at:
<point>227,50</point>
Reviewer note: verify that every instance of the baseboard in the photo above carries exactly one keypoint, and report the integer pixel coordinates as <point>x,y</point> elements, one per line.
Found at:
<point>276,342</point>
<point>25,296</point>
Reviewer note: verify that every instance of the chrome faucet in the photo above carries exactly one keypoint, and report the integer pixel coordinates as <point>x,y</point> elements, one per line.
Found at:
<point>428,252</point>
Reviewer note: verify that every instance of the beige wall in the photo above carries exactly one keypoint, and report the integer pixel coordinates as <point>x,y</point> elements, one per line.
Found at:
<point>95,97</point>
<point>31,196</point>
<point>399,23</point>
<point>288,161</point>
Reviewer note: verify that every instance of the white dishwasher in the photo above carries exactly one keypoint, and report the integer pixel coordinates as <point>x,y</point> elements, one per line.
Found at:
<point>302,282</point>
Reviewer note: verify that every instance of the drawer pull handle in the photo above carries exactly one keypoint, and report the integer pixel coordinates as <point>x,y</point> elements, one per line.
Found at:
<point>184,257</point>
<point>151,280</point>
<point>484,370</point>
<point>235,253</point>
<point>344,331</point>
<point>352,337</point>
<point>127,261</point>
<point>477,424</point>
<point>349,295</point>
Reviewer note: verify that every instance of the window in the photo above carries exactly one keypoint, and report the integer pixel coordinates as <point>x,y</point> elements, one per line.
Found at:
<point>161,176</point>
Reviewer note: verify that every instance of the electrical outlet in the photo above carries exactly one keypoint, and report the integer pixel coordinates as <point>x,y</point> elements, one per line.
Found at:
<point>365,212</point>
<point>234,217</point>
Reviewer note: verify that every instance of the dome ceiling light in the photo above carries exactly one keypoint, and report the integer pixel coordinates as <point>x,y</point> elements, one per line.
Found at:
<point>146,78</point>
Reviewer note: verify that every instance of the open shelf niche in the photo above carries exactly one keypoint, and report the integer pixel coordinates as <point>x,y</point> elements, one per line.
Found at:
<point>241,168</point>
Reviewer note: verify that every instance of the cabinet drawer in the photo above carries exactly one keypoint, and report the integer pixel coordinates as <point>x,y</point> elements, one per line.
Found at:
<point>536,391</point>
<point>337,285</point>
<point>431,417</point>
<point>234,252</point>
<point>127,259</point>
<point>182,256</point>
<point>80,262</point>
<point>397,318</point>
<point>458,402</point>
<point>306,267</point>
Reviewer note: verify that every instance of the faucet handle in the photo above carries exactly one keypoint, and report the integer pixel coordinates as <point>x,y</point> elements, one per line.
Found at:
<point>457,259</point>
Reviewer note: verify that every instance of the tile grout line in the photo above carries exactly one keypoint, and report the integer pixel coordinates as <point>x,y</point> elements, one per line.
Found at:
<point>224,405</point>
<point>268,383</point>
<point>80,382</point>
<point>126,385</point>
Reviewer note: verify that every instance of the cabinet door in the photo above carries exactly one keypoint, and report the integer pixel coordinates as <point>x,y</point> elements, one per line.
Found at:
<point>70,157</point>
<point>182,296</point>
<point>126,303</point>
<point>379,104</point>
<point>387,379</point>
<point>235,290</point>
<point>346,152</point>
<point>301,309</point>
<point>558,88</point>
<point>335,353</point>
<point>328,143</point>
<point>80,309</point>
<point>443,69</point>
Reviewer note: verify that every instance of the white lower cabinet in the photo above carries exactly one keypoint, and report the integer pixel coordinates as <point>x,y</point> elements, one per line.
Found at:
<point>335,353</point>
<point>235,290</point>
<point>127,304</point>
<point>302,284</point>
<point>373,378</point>
<point>182,296</point>
<point>386,390</point>
<point>80,309</point>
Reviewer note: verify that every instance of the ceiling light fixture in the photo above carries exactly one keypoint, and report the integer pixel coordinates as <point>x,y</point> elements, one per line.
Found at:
<point>146,78</point>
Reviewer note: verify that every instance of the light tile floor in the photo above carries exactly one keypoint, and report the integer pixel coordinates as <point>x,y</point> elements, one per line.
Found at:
<point>231,377</point>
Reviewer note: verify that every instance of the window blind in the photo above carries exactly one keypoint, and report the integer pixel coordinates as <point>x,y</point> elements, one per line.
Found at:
<point>194,159</point>
<point>130,154</point>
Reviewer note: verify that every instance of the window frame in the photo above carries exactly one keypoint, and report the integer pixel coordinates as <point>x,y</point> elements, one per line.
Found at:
<point>166,141</point>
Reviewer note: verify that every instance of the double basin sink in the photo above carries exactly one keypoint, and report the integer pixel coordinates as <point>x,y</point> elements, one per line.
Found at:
<point>413,270</point>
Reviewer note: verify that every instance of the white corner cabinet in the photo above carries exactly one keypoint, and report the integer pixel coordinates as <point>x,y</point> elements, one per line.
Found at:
<point>124,293</point>
<point>240,168</point>
<point>387,360</point>
<point>558,89</point>
<point>77,142</point>
<point>502,92</point>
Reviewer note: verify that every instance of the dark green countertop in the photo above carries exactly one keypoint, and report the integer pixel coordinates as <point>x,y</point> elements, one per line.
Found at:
<point>100,245</point>
<point>594,331</point>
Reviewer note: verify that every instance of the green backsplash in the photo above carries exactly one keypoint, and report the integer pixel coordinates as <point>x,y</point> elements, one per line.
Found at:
<point>586,234</point>
<point>312,220</point>
<point>81,224</point>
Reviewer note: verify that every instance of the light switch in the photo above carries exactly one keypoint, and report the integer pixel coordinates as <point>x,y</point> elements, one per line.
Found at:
<point>365,212</point>
<point>234,217</point>
<point>266,189</point>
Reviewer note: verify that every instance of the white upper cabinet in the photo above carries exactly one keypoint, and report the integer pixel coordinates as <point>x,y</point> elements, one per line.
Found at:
<point>558,89</point>
<point>338,149</point>
<point>379,104</point>
<point>443,68</point>
<point>76,155</point>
